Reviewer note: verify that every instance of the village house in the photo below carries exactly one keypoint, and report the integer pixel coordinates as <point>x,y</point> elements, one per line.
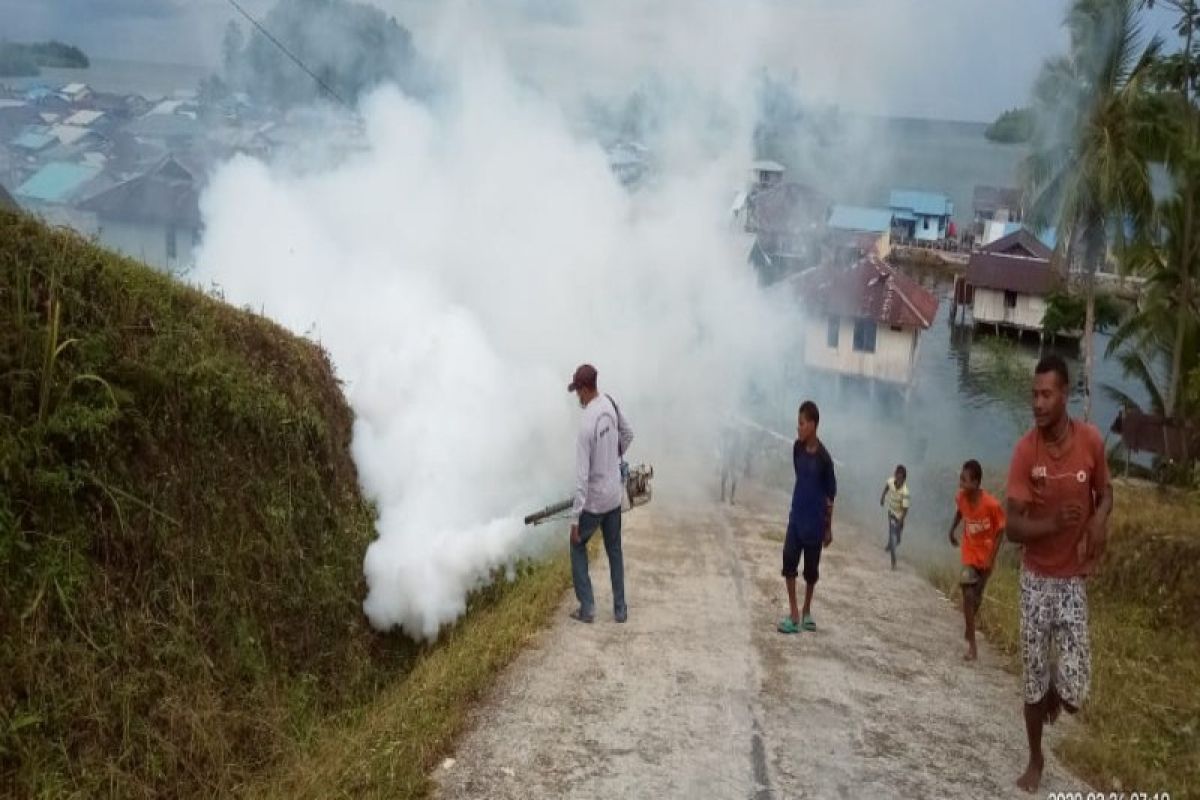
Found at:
<point>923,216</point>
<point>1020,243</point>
<point>864,321</point>
<point>767,173</point>
<point>57,183</point>
<point>786,221</point>
<point>1008,291</point>
<point>75,92</point>
<point>854,232</point>
<point>154,217</point>
<point>34,140</point>
<point>998,213</point>
<point>1170,440</point>
<point>52,191</point>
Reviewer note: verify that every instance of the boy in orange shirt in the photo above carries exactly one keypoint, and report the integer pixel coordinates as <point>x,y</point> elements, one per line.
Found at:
<point>983,528</point>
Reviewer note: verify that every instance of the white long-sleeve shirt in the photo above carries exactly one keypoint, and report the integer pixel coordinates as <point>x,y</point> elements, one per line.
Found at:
<point>604,436</point>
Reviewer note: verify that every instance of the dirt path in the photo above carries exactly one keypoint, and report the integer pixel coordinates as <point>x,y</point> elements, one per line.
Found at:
<point>697,696</point>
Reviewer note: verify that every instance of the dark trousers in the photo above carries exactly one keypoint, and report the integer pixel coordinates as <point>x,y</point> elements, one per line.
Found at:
<point>609,524</point>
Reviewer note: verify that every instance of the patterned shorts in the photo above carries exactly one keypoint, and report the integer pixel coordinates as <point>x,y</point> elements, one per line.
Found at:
<point>1054,622</point>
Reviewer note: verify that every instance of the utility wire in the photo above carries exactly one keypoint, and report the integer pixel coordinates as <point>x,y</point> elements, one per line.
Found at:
<point>262,29</point>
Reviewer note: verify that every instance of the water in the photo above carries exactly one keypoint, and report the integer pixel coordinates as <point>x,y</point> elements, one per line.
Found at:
<point>938,156</point>
<point>121,77</point>
<point>970,400</point>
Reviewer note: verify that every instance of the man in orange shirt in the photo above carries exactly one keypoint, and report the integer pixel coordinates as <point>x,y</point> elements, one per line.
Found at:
<point>1059,500</point>
<point>983,527</point>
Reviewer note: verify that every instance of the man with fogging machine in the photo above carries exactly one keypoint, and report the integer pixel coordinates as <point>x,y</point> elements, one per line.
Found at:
<point>604,436</point>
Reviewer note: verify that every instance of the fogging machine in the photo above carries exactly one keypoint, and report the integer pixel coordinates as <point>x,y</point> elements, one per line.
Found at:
<point>637,490</point>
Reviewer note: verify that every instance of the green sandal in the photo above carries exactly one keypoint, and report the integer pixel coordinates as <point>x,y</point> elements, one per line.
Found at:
<point>807,623</point>
<point>788,625</point>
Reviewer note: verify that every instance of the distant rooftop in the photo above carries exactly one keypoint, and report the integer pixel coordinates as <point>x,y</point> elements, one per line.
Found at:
<point>34,140</point>
<point>767,166</point>
<point>932,204</point>
<point>69,134</point>
<point>166,194</point>
<point>1020,241</point>
<point>869,290</point>
<point>1011,273</point>
<point>83,118</point>
<point>57,182</point>
<point>859,218</point>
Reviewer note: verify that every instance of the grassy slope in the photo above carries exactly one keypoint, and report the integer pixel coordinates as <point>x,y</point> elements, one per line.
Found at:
<point>1141,726</point>
<point>181,536</point>
<point>388,749</point>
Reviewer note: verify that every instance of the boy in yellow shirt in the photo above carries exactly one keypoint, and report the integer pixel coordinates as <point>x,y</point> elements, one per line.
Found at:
<point>896,499</point>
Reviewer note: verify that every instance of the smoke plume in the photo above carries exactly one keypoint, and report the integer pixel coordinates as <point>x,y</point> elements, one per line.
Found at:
<point>458,270</point>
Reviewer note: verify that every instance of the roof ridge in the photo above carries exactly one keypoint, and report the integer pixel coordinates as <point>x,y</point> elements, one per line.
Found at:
<point>896,285</point>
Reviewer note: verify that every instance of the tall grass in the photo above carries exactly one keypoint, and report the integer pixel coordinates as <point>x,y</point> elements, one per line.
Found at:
<point>181,533</point>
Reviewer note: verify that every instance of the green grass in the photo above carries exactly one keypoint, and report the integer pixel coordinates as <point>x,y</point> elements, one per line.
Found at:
<point>1141,726</point>
<point>181,543</point>
<point>388,749</point>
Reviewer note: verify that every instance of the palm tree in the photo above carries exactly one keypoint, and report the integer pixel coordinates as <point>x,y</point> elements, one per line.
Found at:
<point>1183,159</point>
<point>1164,334</point>
<point>1087,171</point>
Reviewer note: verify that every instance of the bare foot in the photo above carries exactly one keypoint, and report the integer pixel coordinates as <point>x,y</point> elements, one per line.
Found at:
<point>971,654</point>
<point>1032,777</point>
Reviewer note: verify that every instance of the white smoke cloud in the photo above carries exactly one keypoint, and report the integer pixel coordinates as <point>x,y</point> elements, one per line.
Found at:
<point>459,269</point>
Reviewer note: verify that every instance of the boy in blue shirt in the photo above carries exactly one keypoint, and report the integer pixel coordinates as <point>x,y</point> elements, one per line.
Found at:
<point>810,522</point>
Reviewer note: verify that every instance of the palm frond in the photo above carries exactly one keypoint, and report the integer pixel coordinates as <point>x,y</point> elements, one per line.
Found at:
<point>1119,397</point>
<point>1134,366</point>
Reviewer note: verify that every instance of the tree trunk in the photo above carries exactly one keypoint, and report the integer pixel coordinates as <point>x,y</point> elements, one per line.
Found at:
<point>1175,381</point>
<point>1094,250</point>
<point>1089,357</point>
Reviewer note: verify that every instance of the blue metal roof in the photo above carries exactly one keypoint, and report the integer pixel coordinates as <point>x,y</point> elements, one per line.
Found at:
<point>930,204</point>
<point>858,218</point>
<point>34,140</point>
<point>57,182</point>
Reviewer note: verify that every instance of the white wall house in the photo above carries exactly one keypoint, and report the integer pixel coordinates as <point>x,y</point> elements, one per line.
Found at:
<point>861,347</point>
<point>865,321</point>
<point>168,247</point>
<point>154,218</point>
<point>924,216</point>
<point>1009,291</point>
<point>1008,308</point>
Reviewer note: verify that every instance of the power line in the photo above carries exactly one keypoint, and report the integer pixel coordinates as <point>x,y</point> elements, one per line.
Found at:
<point>262,29</point>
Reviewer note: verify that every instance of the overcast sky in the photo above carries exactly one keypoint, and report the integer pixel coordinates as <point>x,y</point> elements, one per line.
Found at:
<point>956,59</point>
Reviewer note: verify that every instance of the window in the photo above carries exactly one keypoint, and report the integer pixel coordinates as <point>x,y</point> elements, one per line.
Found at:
<point>171,244</point>
<point>926,221</point>
<point>831,332</point>
<point>898,328</point>
<point>864,336</point>
<point>1010,299</point>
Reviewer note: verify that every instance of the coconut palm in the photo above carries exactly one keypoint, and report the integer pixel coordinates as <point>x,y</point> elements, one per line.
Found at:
<point>1087,171</point>
<point>1178,73</point>
<point>1159,345</point>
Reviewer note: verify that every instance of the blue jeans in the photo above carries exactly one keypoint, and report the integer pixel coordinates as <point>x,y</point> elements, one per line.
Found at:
<point>609,524</point>
<point>895,528</point>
